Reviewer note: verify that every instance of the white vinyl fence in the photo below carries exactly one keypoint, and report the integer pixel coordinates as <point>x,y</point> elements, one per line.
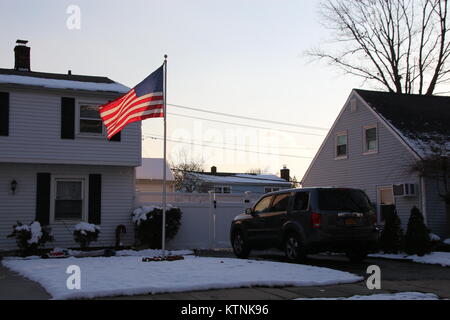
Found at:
<point>206,218</point>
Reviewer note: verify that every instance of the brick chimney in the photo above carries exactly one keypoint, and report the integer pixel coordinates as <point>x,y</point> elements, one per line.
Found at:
<point>213,169</point>
<point>22,56</point>
<point>284,173</point>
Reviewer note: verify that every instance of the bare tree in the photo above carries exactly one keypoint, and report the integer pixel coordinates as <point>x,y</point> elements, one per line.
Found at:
<point>402,45</point>
<point>182,168</point>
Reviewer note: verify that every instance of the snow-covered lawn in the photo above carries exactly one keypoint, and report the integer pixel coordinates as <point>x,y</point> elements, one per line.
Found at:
<point>441,258</point>
<point>387,296</point>
<point>128,275</point>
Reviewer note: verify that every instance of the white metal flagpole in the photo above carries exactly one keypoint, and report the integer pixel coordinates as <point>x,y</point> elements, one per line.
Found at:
<point>164,164</point>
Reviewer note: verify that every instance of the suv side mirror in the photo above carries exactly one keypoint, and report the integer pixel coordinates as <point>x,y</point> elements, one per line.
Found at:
<point>249,211</point>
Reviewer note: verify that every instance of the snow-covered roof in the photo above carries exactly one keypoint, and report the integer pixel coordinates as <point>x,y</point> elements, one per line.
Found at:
<point>423,122</point>
<point>61,81</point>
<point>152,169</point>
<point>259,179</point>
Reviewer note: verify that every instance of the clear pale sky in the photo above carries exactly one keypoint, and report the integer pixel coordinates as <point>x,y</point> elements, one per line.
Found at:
<point>241,57</point>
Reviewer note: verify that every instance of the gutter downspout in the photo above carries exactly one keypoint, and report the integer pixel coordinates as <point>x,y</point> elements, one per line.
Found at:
<point>423,200</point>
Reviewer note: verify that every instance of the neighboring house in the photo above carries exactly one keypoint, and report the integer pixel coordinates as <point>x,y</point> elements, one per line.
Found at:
<point>54,149</point>
<point>374,144</point>
<point>223,182</point>
<point>149,176</point>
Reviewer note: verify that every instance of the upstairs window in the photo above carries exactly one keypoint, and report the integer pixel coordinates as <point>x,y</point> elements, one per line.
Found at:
<point>370,139</point>
<point>90,121</point>
<point>341,145</point>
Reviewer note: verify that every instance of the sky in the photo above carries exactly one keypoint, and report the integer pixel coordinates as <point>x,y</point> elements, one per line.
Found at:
<point>245,58</point>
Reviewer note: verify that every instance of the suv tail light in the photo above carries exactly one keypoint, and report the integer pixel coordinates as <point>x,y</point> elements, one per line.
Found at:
<point>316,220</point>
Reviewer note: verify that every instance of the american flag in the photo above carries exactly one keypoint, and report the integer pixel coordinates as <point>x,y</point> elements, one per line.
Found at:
<point>146,100</point>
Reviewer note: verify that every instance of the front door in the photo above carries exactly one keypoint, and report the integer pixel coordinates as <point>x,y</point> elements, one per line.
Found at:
<point>386,202</point>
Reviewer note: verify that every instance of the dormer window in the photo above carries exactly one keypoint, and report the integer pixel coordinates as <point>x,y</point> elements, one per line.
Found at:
<point>370,139</point>
<point>341,145</point>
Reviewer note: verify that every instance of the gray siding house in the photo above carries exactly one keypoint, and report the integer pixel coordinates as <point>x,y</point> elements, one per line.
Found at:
<point>375,144</point>
<point>54,149</point>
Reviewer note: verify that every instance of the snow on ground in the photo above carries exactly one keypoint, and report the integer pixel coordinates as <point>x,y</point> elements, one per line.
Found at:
<point>103,276</point>
<point>441,258</point>
<point>387,296</point>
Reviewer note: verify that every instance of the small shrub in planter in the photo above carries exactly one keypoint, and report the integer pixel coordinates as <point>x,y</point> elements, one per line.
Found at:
<point>148,224</point>
<point>391,238</point>
<point>30,238</point>
<point>417,239</point>
<point>85,233</point>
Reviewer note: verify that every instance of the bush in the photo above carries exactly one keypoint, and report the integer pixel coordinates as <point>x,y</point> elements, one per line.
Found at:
<point>30,238</point>
<point>148,224</point>
<point>391,238</point>
<point>417,239</point>
<point>85,233</point>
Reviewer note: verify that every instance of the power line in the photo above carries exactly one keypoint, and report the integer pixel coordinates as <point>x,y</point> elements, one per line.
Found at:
<point>236,145</point>
<point>249,118</point>
<point>224,148</point>
<point>245,125</point>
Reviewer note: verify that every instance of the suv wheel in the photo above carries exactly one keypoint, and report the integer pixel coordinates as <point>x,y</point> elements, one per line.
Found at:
<point>293,248</point>
<point>240,245</point>
<point>356,256</point>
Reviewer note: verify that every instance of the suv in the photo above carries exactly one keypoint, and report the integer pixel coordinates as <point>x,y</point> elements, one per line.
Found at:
<point>310,220</point>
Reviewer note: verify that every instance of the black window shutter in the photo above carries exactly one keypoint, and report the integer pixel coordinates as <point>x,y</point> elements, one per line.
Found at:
<point>43,198</point>
<point>116,137</point>
<point>67,118</point>
<point>95,198</point>
<point>4,113</point>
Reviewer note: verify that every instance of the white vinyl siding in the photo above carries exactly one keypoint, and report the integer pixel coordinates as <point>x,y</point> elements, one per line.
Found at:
<point>35,134</point>
<point>116,205</point>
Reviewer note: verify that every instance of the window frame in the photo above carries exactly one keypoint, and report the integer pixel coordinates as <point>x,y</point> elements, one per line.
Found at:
<point>336,138</point>
<point>366,150</point>
<point>222,188</point>
<point>84,194</point>
<point>78,117</point>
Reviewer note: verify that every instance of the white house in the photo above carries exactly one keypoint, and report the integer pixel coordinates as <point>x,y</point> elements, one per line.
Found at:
<point>375,144</point>
<point>56,165</point>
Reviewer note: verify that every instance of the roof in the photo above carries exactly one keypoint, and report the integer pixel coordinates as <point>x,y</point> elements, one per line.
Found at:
<point>423,122</point>
<point>248,179</point>
<point>152,169</point>
<point>61,81</point>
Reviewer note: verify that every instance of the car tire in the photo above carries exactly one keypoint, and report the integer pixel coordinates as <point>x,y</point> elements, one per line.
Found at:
<point>240,245</point>
<point>294,250</point>
<point>356,256</point>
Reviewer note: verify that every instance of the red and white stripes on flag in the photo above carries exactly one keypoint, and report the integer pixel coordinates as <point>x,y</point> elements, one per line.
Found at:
<point>146,100</point>
<point>130,108</point>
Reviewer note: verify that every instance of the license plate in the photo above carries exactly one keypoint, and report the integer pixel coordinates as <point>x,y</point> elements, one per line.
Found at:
<point>350,221</point>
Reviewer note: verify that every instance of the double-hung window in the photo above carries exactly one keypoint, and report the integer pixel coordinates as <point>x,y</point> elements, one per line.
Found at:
<point>69,199</point>
<point>90,121</point>
<point>341,145</point>
<point>370,139</point>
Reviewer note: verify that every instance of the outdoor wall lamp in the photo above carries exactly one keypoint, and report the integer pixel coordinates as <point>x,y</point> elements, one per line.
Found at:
<point>13,186</point>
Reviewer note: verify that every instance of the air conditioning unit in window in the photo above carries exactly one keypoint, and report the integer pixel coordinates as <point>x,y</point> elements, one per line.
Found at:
<point>405,190</point>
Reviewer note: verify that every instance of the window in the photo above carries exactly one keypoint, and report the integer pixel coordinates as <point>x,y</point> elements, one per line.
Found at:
<point>263,205</point>
<point>271,189</point>
<point>341,145</point>
<point>370,139</point>
<point>281,201</point>
<point>90,121</point>
<point>301,201</point>
<point>222,189</point>
<point>68,199</point>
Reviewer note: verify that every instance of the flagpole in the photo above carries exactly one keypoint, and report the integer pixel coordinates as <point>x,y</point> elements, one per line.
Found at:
<point>164,164</point>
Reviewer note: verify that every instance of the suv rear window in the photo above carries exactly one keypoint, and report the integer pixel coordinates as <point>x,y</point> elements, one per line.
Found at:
<point>343,200</point>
